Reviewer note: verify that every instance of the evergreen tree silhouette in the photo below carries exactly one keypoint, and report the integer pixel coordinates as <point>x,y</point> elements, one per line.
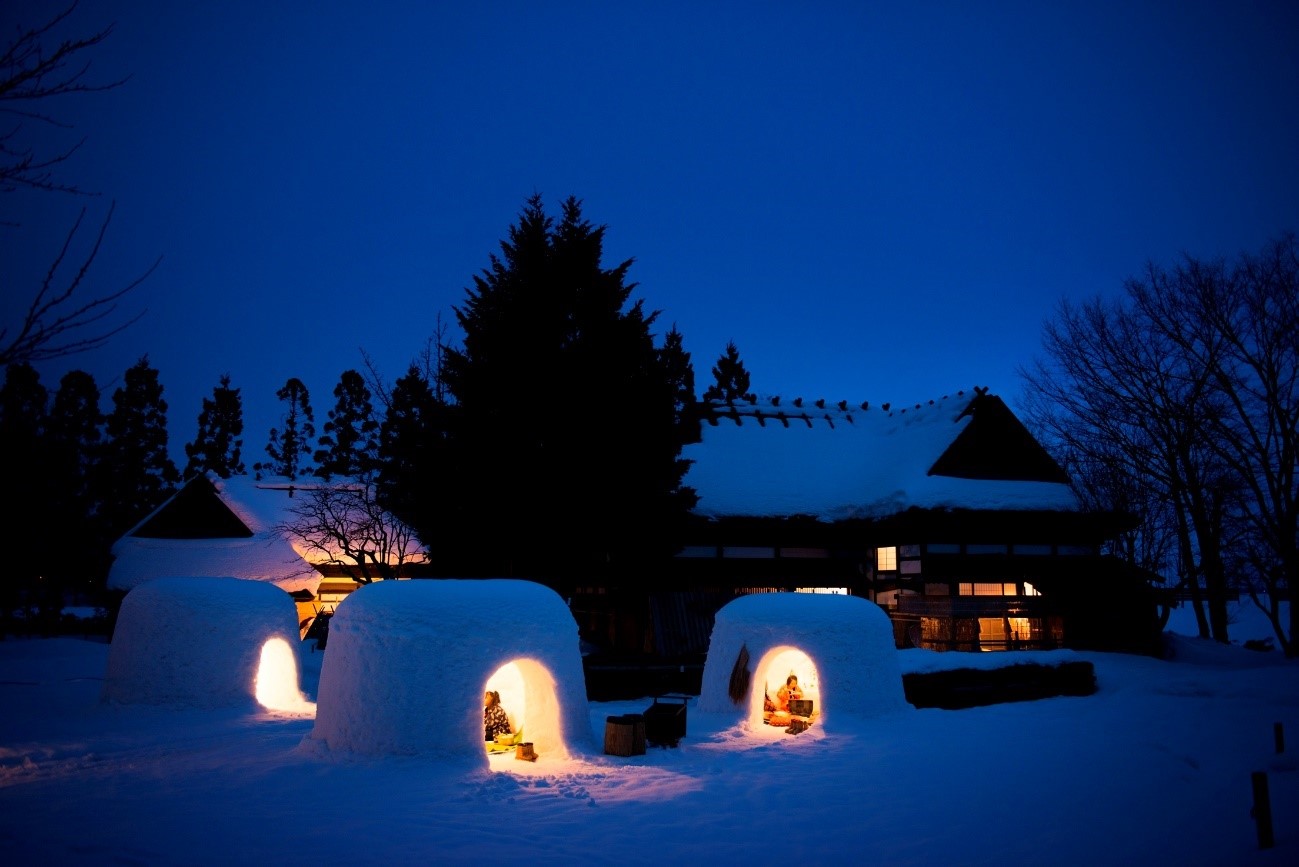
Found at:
<point>349,443</point>
<point>23,407</point>
<point>412,454</point>
<point>289,447</point>
<point>218,445</point>
<point>74,439</point>
<point>565,436</point>
<point>139,471</point>
<point>730,378</point>
<point>681,377</point>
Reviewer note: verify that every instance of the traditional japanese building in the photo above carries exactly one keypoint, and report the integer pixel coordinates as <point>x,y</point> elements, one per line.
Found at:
<point>948,514</point>
<point>239,527</point>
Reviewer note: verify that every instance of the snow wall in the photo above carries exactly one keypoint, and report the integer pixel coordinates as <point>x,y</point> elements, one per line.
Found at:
<point>842,644</point>
<point>201,642</point>
<point>408,662</point>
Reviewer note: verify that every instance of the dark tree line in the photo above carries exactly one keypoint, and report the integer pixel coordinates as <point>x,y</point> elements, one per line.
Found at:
<point>1180,403</point>
<point>548,444</point>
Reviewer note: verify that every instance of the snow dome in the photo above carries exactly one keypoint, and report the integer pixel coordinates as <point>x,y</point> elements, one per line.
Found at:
<point>206,642</point>
<point>839,647</point>
<point>408,663</point>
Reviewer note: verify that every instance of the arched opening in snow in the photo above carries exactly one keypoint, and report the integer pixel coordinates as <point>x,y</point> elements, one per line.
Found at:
<point>276,683</point>
<point>527,691</point>
<point>770,674</point>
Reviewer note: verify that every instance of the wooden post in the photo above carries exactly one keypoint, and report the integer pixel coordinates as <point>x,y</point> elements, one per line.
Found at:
<point>1278,732</point>
<point>1262,811</point>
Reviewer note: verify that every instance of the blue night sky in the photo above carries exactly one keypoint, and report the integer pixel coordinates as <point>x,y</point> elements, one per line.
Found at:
<point>876,200</point>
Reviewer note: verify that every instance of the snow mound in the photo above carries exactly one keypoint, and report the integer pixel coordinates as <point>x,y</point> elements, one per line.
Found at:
<point>408,662</point>
<point>1205,651</point>
<point>205,642</point>
<point>840,647</point>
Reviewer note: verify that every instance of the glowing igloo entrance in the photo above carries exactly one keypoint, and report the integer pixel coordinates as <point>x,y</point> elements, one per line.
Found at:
<point>206,642</point>
<point>276,684</point>
<point>526,691</point>
<point>773,699</point>
<point>408,663</point>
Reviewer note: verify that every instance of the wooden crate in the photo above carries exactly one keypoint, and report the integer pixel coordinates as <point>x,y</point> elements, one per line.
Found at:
<point>665,724</point>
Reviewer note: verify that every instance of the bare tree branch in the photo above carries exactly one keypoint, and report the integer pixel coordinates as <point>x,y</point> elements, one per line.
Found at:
<point>345,526</point>
<point>61,318</point>
<point>55,325</point>
<point>30,72</point>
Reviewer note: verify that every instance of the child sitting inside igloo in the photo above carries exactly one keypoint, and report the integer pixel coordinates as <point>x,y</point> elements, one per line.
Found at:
<point>495,720</point>
<point>779,712</point>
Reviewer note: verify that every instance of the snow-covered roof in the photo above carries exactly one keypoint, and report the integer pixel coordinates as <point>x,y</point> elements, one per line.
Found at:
<point>836,461</point>
<point>840,647</point>
<point>260,554</point>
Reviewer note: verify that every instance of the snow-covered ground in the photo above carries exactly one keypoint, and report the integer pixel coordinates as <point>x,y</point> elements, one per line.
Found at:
<point>1153,769</point>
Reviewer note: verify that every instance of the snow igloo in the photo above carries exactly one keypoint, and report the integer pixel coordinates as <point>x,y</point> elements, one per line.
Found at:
<point>206,642</point>
<point>839,647</point>
<point>408,663</point>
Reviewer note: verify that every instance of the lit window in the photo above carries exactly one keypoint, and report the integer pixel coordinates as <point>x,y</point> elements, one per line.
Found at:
<point>886,559</point>
<point>1030,590</point>
<point>989,589</point>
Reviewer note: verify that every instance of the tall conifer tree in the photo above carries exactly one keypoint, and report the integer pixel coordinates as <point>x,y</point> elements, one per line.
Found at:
<point>412,444</point>
<point>289,447</point>
<point>565,441</point>
<point>74,436</point>
<point>349,443</point>
<point>218,444</point>
<point>139,471</point>
<point>730,378</point>
<point>23,417</point>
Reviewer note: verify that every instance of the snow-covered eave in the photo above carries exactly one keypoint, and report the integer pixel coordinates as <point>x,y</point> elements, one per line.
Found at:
<point>260,558</point>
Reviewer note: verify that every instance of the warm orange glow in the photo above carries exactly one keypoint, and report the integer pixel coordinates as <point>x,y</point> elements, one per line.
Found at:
<point>770,673</point>
<point>527,690</point>
<point>508,681</point>
<point>276,684</point>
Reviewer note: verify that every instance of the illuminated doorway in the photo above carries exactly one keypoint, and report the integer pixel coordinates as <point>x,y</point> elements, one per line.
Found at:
<point>771,673</point>
<point>276,683</point>
<point>527,695</point>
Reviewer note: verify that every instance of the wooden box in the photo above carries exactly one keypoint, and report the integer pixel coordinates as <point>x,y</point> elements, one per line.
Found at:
<point>800,706</point>
<point>665,724</point>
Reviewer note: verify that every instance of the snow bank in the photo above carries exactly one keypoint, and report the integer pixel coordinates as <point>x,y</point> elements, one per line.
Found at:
<point>408,662</point>
<point>841,648</point>
<point>202,642</point>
